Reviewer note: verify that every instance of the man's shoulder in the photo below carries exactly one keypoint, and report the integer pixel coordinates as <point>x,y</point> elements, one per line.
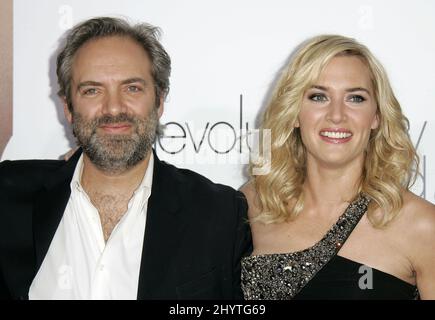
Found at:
<point>29,166</point>
<point>206,200</point>
<point>25,172</point>
<point>35,163</point>
<point>194,180</point>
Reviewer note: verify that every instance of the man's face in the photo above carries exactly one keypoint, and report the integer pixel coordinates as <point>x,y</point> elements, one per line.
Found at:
<point>115,109</point>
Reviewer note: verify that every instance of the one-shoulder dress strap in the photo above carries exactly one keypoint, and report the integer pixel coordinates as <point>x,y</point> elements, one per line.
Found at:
<point>283,275</point>
<point>322,252</point>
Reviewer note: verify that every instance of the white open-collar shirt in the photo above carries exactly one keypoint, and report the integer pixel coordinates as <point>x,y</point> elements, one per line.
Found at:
<point>79,264</point>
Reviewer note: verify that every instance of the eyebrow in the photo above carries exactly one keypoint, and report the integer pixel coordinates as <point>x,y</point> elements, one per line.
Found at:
<point>347,90</point>
<point>88,84</point>
<point>99,84</point>
<point>133,80</point>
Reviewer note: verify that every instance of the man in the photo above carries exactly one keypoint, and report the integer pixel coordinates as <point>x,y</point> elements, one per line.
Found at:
<point>115,222</point>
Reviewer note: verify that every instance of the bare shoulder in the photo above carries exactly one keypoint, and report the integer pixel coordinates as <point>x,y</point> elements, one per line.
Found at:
<point>251,195</point>
<point>419,220</point>
<point>419,215</point>
<point>414,226</point>
<point>264,236</point>
<point>248,190</point>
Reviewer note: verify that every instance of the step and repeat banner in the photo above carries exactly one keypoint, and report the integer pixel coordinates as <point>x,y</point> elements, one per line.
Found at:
<point>226,56</point>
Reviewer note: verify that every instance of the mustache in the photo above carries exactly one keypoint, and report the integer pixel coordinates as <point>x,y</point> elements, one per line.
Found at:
<point>94,124</point>
<point>110,119</point>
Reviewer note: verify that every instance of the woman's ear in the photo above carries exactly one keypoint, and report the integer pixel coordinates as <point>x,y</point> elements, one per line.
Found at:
<point>375,122</point>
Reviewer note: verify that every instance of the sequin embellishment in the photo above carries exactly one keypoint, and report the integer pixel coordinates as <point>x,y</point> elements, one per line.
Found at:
<point>281,276</point>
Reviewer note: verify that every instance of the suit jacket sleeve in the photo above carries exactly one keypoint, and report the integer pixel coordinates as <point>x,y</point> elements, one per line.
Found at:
<point>243,242</point>
<point>4,292</point>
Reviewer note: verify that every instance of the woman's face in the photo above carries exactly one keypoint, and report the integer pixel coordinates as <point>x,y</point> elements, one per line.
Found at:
<point>338,112</point>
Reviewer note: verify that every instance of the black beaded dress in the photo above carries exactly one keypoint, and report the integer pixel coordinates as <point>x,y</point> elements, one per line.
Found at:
<point>319,273</point>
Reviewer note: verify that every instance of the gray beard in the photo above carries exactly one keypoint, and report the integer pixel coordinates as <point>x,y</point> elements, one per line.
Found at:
<point>116,153</point>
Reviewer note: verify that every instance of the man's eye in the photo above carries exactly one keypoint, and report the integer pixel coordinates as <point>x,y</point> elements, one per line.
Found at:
<point>133,89</point>
<point>357,99</point>
<point>317,97</point>
<point>90,92</point>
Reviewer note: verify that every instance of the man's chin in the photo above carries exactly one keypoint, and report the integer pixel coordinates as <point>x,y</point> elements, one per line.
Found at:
<point>113,162</point>
<point>116,157</point>
<point>114,154</point>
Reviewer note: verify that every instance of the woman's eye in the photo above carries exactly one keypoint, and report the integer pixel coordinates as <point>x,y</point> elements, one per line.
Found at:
<point>357,98</point>
<point>317,97</point>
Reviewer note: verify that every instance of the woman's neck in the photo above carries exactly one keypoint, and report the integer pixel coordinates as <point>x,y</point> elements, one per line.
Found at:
<point>330,186</point>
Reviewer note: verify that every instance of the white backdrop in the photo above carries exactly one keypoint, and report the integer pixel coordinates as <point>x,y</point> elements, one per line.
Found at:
<point>225,56</point>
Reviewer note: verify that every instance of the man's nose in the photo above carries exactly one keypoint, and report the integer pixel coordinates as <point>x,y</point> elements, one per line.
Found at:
<point>114,103</point>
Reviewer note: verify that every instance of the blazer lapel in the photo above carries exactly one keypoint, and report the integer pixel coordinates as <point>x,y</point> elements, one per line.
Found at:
<point>163,225</point>
<point>49,206</point>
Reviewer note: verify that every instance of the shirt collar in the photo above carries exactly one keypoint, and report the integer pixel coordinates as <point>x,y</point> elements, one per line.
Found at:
<point>75,182</point>
<point>147,180</point>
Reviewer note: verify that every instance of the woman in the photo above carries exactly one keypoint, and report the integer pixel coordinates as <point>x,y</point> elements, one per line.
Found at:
<point>334,217</point>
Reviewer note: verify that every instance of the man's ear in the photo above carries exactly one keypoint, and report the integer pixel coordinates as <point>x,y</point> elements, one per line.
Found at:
<point>68,114</point>
<point>161,106</point>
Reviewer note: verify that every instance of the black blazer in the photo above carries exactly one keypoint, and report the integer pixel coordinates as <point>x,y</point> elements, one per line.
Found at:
<point>195,235</point>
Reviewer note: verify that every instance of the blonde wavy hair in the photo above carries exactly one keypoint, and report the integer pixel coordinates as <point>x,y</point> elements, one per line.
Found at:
<point>391,161</point>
